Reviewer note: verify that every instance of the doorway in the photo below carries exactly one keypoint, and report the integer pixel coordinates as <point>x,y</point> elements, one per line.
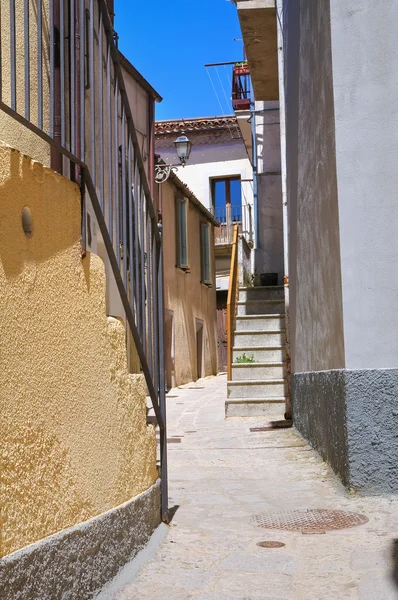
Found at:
<point>222,329</point>
<point>199,349</point>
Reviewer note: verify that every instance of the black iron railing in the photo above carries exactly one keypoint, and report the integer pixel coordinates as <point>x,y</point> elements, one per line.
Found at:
<point>66,85</point>
<point>241,88</point>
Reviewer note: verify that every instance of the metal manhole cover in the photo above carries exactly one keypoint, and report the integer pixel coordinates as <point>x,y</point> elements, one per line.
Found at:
<point>312,520</point>
<point>270,544</point>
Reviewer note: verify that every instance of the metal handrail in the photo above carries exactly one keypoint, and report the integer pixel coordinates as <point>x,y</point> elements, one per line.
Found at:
<point>233,289</point>
<point>100,151</point>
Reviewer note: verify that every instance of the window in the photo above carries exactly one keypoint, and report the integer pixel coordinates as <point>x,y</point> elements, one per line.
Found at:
<point>205,253</point>
<point>182,233</point>
<point>227,199</point>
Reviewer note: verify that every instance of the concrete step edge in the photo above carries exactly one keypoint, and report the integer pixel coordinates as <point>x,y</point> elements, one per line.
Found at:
<point>258,364</point>
<point>268,316</point>
<point>256,382</point>
<point>245,302</point>
<point>278,400</point>
<point>262,287</point>
<point>256,331</point>
<point>244,348</point>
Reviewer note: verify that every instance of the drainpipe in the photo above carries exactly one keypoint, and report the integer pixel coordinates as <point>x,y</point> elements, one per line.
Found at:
<point>255,181</point>
<point>282,115</point>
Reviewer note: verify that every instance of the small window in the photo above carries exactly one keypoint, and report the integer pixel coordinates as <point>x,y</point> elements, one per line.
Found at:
<point>205,252</point>
<point>182,233</point>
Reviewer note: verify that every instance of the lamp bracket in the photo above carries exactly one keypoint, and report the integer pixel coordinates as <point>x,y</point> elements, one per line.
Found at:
<point>162,172</point>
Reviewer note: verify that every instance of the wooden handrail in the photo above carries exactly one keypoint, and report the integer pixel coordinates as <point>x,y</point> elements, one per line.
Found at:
<point>232,299</point>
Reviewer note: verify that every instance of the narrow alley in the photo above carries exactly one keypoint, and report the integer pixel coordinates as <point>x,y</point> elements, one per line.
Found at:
<point>222,474</point>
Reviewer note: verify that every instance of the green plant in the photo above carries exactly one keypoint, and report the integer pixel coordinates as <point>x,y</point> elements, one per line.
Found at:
<point>245,359</point>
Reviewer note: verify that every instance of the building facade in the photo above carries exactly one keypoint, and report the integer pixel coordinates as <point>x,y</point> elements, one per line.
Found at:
<point>218,172</point>
<point>336,75</point>
<point>188,230</point>
<point>80,492</point>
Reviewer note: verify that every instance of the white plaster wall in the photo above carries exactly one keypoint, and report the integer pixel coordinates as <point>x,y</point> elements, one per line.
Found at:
<point>209,161</point>
<point>365,75</point>
<point>197,177</point>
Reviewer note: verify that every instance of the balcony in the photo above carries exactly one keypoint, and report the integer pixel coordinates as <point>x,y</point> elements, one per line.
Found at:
<point>258,22</point>
<point>241,88</point>
<point>228,217</point>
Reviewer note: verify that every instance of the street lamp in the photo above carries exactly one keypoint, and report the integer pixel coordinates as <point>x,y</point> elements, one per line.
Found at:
<point>183,147</point>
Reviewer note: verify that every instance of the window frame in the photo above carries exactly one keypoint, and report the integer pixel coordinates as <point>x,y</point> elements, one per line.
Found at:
<point>180,263</point>
<point>205,226</point>
<point>227,179</point>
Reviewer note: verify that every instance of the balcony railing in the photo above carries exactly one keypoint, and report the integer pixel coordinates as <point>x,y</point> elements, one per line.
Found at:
<point>65,84</point>
<point>229,216</point>
<point>241,90</point>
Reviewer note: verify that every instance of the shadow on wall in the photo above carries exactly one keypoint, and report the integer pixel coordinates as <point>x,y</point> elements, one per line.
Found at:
<point>15,181</point>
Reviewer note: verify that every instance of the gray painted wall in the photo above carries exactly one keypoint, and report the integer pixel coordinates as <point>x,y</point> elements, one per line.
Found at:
<point>317,340</point>
<point>269,255</point>
<point>351,418</point>
<point>365,73</point>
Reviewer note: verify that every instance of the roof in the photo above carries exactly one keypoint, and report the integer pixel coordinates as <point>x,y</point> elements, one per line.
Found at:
<point>139,78</point>
<point>200,125</point>
<point>191,196</point>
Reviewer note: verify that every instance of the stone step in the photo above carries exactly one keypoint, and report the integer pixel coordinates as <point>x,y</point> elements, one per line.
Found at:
<point>256,388</point>
<point>255,407</point>
<point>261,355</point>
<point>259,339</point>
<point>261,293</point>
<point>263,371</point>
<point>260,323</point>
<point>261,307</point>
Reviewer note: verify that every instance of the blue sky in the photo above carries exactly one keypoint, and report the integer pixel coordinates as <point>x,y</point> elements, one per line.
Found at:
<point>170,41</point>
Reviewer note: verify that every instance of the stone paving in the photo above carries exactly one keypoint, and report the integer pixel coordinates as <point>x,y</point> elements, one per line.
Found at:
<point>221,475</point>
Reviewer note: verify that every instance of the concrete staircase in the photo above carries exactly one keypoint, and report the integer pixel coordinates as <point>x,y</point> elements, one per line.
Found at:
<point>258,388</point>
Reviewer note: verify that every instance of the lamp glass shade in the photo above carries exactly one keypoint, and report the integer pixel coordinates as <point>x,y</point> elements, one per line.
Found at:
<point>183,147</point>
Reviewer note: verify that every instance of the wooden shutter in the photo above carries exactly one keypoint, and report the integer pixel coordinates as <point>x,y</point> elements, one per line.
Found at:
<point>205,252</point>
<point>182,233</point>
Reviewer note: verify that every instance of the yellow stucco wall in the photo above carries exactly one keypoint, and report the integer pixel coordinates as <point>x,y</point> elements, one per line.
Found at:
<point>74,439</point>
<point>186,298</point>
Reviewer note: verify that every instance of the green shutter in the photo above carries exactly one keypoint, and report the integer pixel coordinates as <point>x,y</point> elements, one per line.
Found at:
<point>205,252</point>
<point>182,233</point>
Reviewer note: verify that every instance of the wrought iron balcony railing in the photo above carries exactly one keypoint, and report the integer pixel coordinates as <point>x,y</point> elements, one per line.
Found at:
<point>65,84</point>
<point>241,90</point>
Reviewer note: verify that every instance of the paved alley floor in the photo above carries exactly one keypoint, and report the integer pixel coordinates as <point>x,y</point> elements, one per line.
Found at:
<point>221,475</point>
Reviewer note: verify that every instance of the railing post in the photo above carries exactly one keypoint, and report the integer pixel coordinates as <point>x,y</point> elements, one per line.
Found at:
<point>231,302</point>
<point>162,394</point>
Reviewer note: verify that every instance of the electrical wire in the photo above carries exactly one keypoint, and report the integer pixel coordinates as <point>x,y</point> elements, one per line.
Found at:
<point>219,102</point>
<point>222,87</point>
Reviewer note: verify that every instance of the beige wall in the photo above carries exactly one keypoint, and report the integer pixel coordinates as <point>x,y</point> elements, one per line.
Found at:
<point>73,430</point>
<point>12,132</point>
<point>185,295</point>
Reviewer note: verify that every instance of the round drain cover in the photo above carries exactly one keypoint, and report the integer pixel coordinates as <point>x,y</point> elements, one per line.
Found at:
<point>310,520</point>
<point>270,544</point>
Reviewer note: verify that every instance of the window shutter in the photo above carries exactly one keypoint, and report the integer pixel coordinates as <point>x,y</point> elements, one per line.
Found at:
<point>205,252</point>
<point>182,233</point>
